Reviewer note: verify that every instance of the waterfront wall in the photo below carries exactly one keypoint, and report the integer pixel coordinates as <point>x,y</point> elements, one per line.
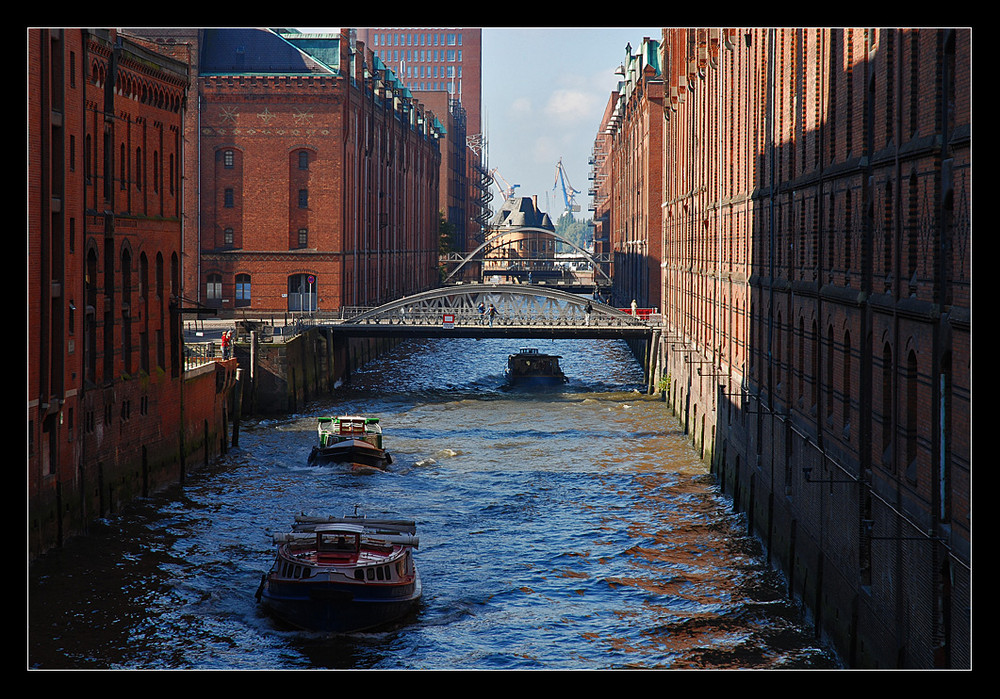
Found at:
<point>816,315</point>
<point>111,413</point>
<point>815,532</point>
<point>282,377</point>
<point>138,436</point>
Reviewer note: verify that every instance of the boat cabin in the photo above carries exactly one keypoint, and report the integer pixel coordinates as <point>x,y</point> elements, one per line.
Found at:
<point>337,429</point>
<point>529,363</point>
<point>334,540</point>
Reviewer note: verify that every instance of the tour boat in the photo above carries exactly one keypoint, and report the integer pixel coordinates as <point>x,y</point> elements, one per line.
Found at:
<point>530,367</point>
<point>342,574</point>
<point>352,440</point>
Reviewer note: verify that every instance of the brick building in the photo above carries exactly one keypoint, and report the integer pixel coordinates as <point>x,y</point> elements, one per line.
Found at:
<point>635,181</point>
<point>600,176</point>
<point>434,59</point>
<point>442,67</point>
<point>816,233</point>
<point>522,245</point>
<point>105,377</point>
<point>182,45</point>
<point>318,171</point>
<point>455,201</point>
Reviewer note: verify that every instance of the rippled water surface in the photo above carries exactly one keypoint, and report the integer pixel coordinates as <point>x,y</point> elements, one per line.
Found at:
<point>573,529</point>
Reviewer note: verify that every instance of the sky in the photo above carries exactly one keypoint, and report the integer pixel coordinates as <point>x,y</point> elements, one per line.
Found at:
<point>544,90</point>
<point>544,93</point>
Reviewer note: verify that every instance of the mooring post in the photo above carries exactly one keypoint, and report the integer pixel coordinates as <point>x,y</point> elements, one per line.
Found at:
<point>237,406</point>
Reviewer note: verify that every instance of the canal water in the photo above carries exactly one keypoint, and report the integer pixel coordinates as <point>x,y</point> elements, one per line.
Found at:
<point>568,529</point>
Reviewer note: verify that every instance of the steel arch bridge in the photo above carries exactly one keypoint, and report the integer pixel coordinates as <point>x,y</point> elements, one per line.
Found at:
<point>496,240</point>
<point>522,310</point>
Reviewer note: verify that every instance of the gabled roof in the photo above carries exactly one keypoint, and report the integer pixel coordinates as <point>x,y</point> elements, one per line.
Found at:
<point>259,51</point>
<point>518,212</point>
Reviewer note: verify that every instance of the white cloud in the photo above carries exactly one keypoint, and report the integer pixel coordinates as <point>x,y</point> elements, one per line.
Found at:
<point>571,105</point>
<point>521,107</point>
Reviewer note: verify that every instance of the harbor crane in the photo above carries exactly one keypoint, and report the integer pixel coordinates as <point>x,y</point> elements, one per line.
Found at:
<point>508,189</point>
<point>569,194</point>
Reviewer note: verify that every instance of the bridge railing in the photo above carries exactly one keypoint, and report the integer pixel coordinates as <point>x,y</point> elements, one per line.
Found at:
<point>470,317</point>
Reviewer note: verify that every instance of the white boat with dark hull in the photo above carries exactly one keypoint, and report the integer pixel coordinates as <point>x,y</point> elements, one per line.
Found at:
<point>342,575</point>
<point>353,440</point>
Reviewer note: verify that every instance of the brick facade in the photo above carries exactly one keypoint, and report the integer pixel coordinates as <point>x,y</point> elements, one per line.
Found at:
<point>442,68</point>
<point>635,182</point>
<point>106,385</point>
<point>600,175</point>
<point>816,237</point>
<point>319,190</point>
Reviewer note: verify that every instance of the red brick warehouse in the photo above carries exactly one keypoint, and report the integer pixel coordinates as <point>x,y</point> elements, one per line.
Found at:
<point>319,175</point>
<point>109,403</point>
<point>817,232</point>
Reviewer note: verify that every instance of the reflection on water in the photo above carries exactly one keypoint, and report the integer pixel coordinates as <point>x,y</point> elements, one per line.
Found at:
<point>565,530</point>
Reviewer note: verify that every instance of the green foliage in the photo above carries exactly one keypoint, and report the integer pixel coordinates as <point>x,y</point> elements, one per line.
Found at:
<point>446,242</point>
<point>446,235</point>
<point>579,231</point>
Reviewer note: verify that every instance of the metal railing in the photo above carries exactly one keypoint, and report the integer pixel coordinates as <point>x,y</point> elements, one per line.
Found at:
<point>471,317</point>
<point>198,354</point>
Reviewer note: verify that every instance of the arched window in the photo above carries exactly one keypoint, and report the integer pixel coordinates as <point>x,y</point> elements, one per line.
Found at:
<point>161,356</point>
<point>829,374</point>
<point>846,386</point>
<point>126,311</point>
<point>88,155</point>
<point>944,473</point>
<point>802,359</point>
<point>887,414</point>
<point>90,318</point>
<point>144,309</point>
<point>777,359</point>
<point>816,341</point>
<point>911,416</point>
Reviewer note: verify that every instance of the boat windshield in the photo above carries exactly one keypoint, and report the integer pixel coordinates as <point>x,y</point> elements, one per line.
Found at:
<point>338,541</point>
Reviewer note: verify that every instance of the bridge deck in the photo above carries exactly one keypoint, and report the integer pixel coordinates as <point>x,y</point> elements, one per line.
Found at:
<point>493,310</point>
<point>511,330</point>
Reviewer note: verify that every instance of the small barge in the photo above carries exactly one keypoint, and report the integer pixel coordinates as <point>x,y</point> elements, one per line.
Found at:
<point>342,575</point>
<point>352,440</point>
<point>529,367</point>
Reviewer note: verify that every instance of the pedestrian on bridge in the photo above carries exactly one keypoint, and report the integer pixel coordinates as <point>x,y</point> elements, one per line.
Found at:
<point>587,311</point>
<point>492,313</point>
<point>482,313</point>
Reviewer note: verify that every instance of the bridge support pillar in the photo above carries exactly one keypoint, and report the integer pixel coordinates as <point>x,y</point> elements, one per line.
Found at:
<point>652,361</point>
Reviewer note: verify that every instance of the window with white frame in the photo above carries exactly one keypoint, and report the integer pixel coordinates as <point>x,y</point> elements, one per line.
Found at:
<point>213,287</point>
